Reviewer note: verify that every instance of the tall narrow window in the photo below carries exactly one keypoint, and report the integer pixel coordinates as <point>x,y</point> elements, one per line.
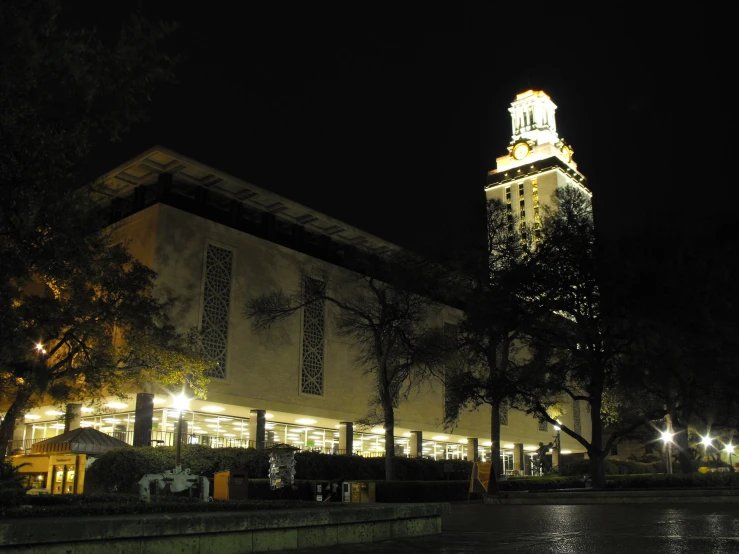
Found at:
<point>311,375</point>
<point>509,209</point>
<point>216,301</point>
<point>503,414</point>
<point>535,203</point>
<point>576,420</point>
<point>521,203</point>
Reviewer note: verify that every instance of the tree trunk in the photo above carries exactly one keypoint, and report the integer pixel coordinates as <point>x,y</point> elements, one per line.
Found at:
<point>389,415</point>
<point>597,456</point>
<point>495,438</point>
<point>8,424</point>
<point>683,448</point>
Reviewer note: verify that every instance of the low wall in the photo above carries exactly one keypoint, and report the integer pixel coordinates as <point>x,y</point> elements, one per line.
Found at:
<point>221,532</point>
<point>657,496</point>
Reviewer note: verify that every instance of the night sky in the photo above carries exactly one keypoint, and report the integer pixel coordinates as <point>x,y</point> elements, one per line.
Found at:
<point>389,118</point>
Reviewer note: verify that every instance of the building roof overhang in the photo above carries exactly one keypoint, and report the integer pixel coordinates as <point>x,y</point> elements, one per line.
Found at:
<point>145,169</point>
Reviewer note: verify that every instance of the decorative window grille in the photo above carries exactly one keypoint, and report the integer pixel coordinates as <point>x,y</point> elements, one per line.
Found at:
<point>503,414</point>
<point>543,426</point>
<point>576,421</point>
<point>216,300</point>
<point>312,370</point>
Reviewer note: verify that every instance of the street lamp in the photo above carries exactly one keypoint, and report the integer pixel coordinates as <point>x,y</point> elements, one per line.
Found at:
<point>667,439</point>
<point>558,448</point>
<point>707,443</point>
<point>180,402</point>
<point>729,449</point>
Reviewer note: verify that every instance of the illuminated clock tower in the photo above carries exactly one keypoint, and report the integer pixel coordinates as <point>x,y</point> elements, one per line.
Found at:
<point>538,161</point>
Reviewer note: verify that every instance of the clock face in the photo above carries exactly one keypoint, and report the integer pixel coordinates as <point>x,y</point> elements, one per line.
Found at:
<point>567,153</point>
<point>521,151</point>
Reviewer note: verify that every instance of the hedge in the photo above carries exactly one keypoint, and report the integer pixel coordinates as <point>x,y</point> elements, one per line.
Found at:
<point>613,467</point>
<point>129,504</point>
<point>119,470</point>
<point>677,480</point>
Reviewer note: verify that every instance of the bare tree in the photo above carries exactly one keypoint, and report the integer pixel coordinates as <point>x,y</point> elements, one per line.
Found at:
<point>489,348</point>
<point>385,320</point>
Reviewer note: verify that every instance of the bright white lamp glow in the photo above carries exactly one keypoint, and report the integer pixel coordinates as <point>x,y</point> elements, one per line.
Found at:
<point>440,437</point>
<point>180,402</point>
<point>729,448</point>
<point>707,440</point>
<point>305,421</point>
<point>666,436</point>
<point>463,440</point>
<point>32,416</point>
<point>116,405</point>
<point>508,445</point>
<point>213,409</point>
<point>557,428</point>
<point>54,413</point>
<point>269,416</point>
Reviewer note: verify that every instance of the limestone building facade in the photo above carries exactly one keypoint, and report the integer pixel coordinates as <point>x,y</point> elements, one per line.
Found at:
<point>216,241</point>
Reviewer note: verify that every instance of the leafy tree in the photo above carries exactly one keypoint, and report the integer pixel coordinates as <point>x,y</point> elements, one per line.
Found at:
<point>682,293</point>
<point>95,333</point>
<point>63,92</point>
<point>490,350</point>
<point>580,338</point>
<point>385,320</point>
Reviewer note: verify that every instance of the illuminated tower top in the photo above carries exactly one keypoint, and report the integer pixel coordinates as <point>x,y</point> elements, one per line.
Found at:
<point>534,135</point>
<point>532,118</point>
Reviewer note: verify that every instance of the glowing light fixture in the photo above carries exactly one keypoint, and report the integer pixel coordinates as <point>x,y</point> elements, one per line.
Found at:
<point>305,421</point>
<point>566,452</point>
<point>116,405</point>
<point>440,437</point>
<point>213,409</point>
<point>707,441</point>
<point>269,416</point>
<point>667,436</point>
<point>54,413</point>
<point>487,443</point>
<point>378,430</point>
<point>32,416</point>
<point>509,445</point>
<point>463,441</point>
<point>729,448</point>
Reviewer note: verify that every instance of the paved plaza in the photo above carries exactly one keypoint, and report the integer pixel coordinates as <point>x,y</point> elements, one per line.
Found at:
<point>589,529</point>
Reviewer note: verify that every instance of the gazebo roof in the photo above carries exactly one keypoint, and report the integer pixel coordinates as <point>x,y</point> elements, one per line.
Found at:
<point>84,440</point>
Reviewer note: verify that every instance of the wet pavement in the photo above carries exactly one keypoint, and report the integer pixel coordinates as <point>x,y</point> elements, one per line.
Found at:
<point>582,529</point>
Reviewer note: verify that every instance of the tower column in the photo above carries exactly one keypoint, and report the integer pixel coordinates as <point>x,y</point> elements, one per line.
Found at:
<point>518,460</point>
<point>346,437</point>
<point>416,444</point>
<point>257,419</point>
<point>73,415</point>
<point>472,450</point>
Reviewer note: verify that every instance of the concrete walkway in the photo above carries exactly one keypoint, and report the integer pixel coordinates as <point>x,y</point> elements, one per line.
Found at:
<point>594,529</point>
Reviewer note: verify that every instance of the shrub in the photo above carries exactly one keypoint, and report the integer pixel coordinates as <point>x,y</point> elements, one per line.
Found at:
<point>11,484</point>
<point>683,480</point>
<point>578,468</point>
<point>119,470</point>
<point>540,483</point>
<point>129,507</point>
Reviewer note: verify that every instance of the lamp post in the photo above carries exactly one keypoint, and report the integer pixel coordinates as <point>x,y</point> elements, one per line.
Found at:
<point>667,439</point>
<point>180,402</point>
<point>707,443</point>
<point>729,449</point>
<point>558,448</point>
